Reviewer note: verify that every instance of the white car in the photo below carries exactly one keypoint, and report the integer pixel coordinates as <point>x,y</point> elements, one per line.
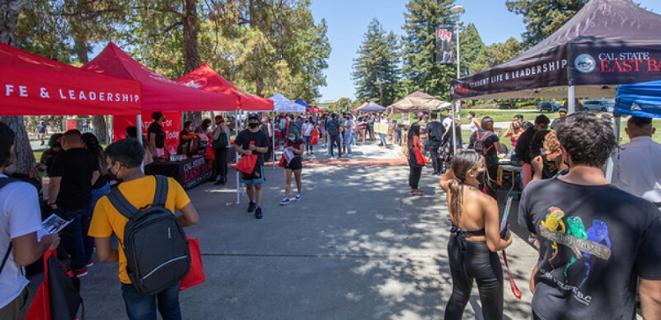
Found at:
<point>598,106</point>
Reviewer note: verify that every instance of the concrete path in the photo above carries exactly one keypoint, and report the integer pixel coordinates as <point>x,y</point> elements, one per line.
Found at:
<point>357,246</point>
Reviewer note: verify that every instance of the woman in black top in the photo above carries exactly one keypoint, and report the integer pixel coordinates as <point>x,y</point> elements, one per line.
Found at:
<point>295,165</point>
<point>475,238</point>
<point>54,148</point>
<point>156,136</point>
<point>187,139</point>
<point>415,169</point>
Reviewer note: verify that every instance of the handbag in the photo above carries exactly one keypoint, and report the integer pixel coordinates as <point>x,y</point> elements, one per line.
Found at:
<point>247,164</point>
<point>315,137</point>
<point>195,275</point>
<point>419,157</point>
<point>210,153</point>
<point>283,161</point>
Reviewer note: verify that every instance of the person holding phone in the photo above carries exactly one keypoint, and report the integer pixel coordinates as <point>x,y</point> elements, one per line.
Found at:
<point>476,238</point>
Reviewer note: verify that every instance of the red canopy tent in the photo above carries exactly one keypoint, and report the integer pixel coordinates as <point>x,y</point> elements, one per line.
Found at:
<point>159,93</point>
<point>207,79</point>
<point>314,109</point>
<point>34,85</point>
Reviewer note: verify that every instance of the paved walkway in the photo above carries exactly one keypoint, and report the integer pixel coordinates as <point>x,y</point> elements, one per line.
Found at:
<point>355,247</point>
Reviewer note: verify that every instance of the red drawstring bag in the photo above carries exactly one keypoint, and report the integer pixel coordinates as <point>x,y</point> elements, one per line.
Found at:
<point>247,164</point>
<point>419,157</point>
<point>209,153</point>
<point>40,307</point>
<point>315,137</point>
<point>283,161</point>
<point>195,275</point>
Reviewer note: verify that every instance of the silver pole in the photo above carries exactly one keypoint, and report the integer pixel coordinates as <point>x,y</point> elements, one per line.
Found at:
<point>571,99</point>
<point>458,106</point>
<point>238,182</point>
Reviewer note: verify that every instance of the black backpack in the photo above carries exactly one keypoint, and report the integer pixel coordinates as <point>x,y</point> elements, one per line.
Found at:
<point>221,142</point>
<point>480,139</point>
<point>155,244</point>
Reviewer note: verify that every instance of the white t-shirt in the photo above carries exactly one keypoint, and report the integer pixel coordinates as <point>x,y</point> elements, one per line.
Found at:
<point>307,129</point>
<point>637,169</point>
<point>447,122</point>
<point>19,215</point>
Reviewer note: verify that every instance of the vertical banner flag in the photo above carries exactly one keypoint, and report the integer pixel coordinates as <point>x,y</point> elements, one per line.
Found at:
<point>444,46</point>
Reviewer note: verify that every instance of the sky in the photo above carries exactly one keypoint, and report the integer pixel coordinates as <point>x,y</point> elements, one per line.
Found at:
<point>348,19</point>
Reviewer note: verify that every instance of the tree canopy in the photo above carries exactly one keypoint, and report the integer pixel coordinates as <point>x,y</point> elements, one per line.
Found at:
<point>543,17</point>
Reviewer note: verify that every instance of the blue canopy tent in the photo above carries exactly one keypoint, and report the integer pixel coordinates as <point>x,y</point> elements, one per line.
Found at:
<point>639,99</point>
<point>303,103</point>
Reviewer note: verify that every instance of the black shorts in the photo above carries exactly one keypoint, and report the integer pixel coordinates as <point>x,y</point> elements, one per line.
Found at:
<point>295,164</point>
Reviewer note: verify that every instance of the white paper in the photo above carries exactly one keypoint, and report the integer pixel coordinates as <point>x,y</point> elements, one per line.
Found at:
<point>53,224</point>
<point>289,155</point>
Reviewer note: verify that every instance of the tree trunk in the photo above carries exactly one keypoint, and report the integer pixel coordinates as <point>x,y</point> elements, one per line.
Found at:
<point>191,52</point>
<point>23,156</point>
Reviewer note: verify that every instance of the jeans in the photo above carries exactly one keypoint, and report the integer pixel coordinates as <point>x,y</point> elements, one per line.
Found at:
<point>308,143</point>
<point>142,307</point>
<point>473,260</point>
<point>347,141</point>
<point>414,176</point>
<point>221,163</point>
<point>74,237</point>
<point>335,141</point>
<point>435,157</point>
<point>382,138</point>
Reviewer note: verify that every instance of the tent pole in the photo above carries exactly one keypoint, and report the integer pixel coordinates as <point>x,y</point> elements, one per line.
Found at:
<point>272,124</point>
<point>238,183</point>
<point>610,165</point>
<point>454,132</point>
<point>138,127</point>
<point>571,99</point>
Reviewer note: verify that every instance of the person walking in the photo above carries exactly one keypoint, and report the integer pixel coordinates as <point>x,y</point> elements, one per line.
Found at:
<point>333,129</point>
<point>348,133</point>
<point>435,132</point>
<point>295,166</point>
<point>415,169</point>
<point>74,172</point>
<point>475,238</point>
<point>20,218</point>
<point>123,160</point>
<point>253,141</point>
<point>221,145</point>
<point>308,127</point>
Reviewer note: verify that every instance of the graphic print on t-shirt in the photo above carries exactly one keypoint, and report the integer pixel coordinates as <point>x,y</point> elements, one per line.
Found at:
<point>587,247</point>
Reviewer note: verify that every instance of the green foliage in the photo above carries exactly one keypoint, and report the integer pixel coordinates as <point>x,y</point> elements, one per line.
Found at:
<point>420,69</point>
<point>471,47</point>
<point>543,17</point>
<point>496,54</point>
<point>342,105</point>
<point>376,71</point>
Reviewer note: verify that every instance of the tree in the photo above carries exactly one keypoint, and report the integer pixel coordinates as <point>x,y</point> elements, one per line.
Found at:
<point>23,156</point>
<point>471,47</point>
<point>543,17</point>
<point>496,54</point>
<point>376,71</point>
<point>342,105</point>
<point>420,69</point>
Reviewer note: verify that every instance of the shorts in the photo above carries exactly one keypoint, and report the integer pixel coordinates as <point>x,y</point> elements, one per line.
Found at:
<point>295,164</point>
<point>251,179</point>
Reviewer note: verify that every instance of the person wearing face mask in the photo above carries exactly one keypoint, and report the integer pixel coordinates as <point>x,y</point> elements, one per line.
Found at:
<point>221,145</point>
<point>253,141</point>
<point>476,238</point>
<point>295,166</point>
<point>156,136</point>
<point>308,127</point>
<point>187,139</point>
<point>123,159</point>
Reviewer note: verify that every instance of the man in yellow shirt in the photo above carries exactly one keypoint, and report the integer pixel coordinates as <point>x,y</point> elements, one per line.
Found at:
<point>123,159</point>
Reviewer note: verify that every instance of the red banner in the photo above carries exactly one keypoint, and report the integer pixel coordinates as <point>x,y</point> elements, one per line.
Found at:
<point>172,126</point>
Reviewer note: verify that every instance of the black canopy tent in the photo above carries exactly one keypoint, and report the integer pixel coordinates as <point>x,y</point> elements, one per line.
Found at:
<point>607,43</point>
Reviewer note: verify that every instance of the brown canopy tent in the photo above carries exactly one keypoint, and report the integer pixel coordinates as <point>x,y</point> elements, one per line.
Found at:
<point>417,102</point>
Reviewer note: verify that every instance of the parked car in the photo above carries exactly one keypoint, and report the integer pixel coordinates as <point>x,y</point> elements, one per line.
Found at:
<point>598,106</point>
<point>548,106</point>
<point>506,106</point>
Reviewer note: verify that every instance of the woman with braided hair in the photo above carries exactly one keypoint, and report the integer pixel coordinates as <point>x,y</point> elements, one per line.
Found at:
<point>475,238</point>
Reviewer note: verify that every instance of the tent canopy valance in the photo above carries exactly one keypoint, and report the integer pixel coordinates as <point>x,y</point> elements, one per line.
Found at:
<point>159,93</point>
<point>641,99</point>
<point>369,106</point>
<point>282,104</point>
<point>608,42</point>
<point>303,103</point>
<point>34,85</point>
<point>207,79</point>
<point>417,102</point>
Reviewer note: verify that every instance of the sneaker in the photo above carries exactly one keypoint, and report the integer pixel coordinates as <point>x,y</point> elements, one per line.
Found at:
<point>298,197</point>
<point>252,206</point>
<point>79,273</point>
<point>284,201</point>
<point>89,263</point>
<point>258,213</point>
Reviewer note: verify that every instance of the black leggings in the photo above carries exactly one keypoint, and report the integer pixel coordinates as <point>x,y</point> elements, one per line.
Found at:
<point>414,176</point>
<point>473,260</point>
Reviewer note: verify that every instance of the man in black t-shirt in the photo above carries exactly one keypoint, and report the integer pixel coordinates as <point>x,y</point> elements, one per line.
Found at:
<point>522,150</point>
<point>435,132</point>
<point>73,173</point>
<point>486,142</point>
<point>253,141</point>
<point>156,136</point>
<point>595,240</point>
